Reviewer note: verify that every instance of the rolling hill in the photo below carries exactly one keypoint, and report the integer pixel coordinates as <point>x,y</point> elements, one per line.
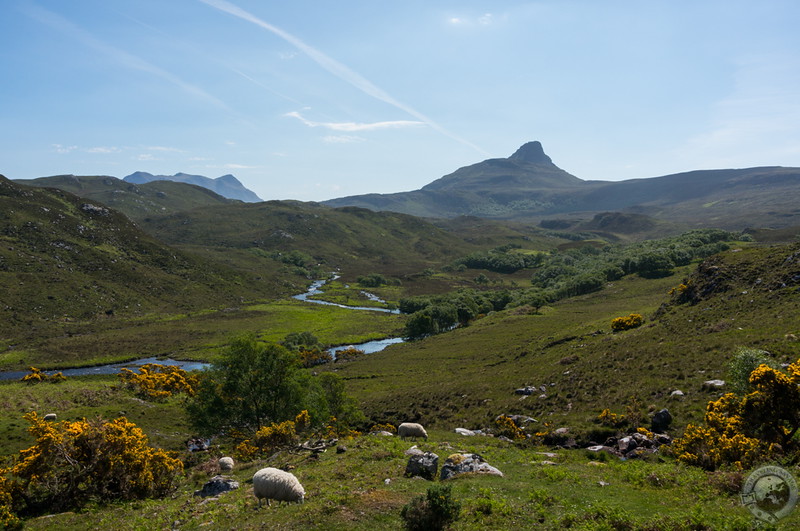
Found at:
<point>226,186</point>
<point>528,185</point>
<point>136,201</point>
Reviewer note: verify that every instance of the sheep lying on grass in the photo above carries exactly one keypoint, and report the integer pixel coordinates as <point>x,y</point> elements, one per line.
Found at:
<point>411,429</point>
<point>275,484</point>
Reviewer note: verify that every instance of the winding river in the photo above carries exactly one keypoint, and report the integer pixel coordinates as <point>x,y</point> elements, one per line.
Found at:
<point>368,347</point>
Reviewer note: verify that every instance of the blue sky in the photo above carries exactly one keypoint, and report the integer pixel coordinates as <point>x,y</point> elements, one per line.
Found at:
<point>313,100</point>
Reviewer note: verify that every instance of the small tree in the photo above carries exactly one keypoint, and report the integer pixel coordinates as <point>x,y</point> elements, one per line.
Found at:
<point>250,385</point>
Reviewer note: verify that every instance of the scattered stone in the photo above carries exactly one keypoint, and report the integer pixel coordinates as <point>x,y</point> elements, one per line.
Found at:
<point>677,393</point>
<point>465,432</point>
<point>546,463</point>
<point>519,420</point>
<point>458,464</point>
<point>50,416</point>
<point>603,483</point>
<point>662,439</point>
<point>661,421</point>
<point>387,481</point>
<point>551,455</point>
<point>595,463</point>
<point>505,439</point>
<point>713,384</point>
<point>341,449</point>
<point>216,486</point>
<point>527,390</point>
<point>383,433</point>
<point>627,444</point>
<point>561,431</point>
<point>414,451</point>
<point>424,466</point>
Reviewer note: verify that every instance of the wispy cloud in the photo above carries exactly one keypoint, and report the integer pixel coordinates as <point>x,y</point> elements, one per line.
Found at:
<point>63,150</point>
<point>483,20</point>
<point>342,139</point>
<point>121,57</point>
<point>354,126</point>
<point>336,68</point>
<point>265,87</point>
<point>103,149</point>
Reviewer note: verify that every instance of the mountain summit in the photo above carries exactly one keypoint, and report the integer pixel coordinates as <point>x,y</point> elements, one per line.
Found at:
<point>528,169</point>
<point>531,152</point>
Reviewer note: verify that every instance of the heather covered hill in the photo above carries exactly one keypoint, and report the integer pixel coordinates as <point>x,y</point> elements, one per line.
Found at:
<point>66,257</point>
<point>134,200</point>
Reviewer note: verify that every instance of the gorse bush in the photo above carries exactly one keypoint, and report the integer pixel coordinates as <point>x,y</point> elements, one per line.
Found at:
<point>37,376</point>
<point>504,426</point>
<point>434,511</point>
<point>743,430</point>
<point>627,322</point>
<point>155,381</point>
<point>73,462</point>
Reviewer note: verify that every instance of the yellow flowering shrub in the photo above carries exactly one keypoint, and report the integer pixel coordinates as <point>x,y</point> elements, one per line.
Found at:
<point>37,376</point>
<point>339,430</point>
<point>74,461</point>
<point>627,322</point>
<point>156,381</point>
<point>612,420</point>
<point>505,427</point>
<point>383,427</point>
<point>314,356</point>
<point>8,520</point>
<point>745,430</point>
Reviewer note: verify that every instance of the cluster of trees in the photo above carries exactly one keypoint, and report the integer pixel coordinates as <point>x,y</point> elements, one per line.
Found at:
<point>501,260</point>
<point>433,315</point>
<point>559,275</point>
<point>255,384</point>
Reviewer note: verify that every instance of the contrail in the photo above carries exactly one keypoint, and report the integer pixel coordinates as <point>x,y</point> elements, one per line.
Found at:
<point>336,68</point>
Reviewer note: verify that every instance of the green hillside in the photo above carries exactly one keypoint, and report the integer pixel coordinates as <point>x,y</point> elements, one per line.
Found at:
<point>136,201</point>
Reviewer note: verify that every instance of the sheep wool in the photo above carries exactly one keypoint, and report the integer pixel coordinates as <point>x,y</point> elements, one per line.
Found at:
<point>411,429</point>
<point>275,484</point>
<point>225,464</point>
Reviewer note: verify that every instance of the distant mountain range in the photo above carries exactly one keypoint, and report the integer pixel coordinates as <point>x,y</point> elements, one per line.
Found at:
<point>226,186</point>
<point>528,185</point>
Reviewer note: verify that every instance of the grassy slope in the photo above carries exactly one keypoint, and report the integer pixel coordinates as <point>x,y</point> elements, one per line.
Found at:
<point>467,377</point>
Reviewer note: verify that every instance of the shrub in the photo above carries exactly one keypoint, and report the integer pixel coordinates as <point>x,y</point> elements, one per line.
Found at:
<point>633,320</point>
<point>505,427</point>
<point>742,365</point>
<point>314,356</point>
<point>73,462</point>
<point>742,431</point>
<point>37,376</point>
<point>436,510</point>
<point>155,381</point>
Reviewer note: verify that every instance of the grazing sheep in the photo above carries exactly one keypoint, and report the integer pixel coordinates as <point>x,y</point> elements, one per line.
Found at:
<point>275,484</point>
<point>225,464</point>
<point>411,429</point>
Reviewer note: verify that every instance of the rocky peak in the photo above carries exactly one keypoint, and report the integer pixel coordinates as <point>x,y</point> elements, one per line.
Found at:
<point>531,152</point>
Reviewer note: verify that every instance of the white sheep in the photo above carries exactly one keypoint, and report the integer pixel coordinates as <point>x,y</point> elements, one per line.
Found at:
<point>275,484</point>
<point>411,429</point>
<point>225,464</point>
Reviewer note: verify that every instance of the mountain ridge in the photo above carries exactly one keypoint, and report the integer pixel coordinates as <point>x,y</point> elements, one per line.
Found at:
<point>227,185</point>
<point>528,185</point>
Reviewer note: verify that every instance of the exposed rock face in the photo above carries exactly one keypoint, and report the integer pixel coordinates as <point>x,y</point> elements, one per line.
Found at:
<point>531,152</point>
<point>424,465</point>
<point>458,464</point>
<point>216,486</point>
